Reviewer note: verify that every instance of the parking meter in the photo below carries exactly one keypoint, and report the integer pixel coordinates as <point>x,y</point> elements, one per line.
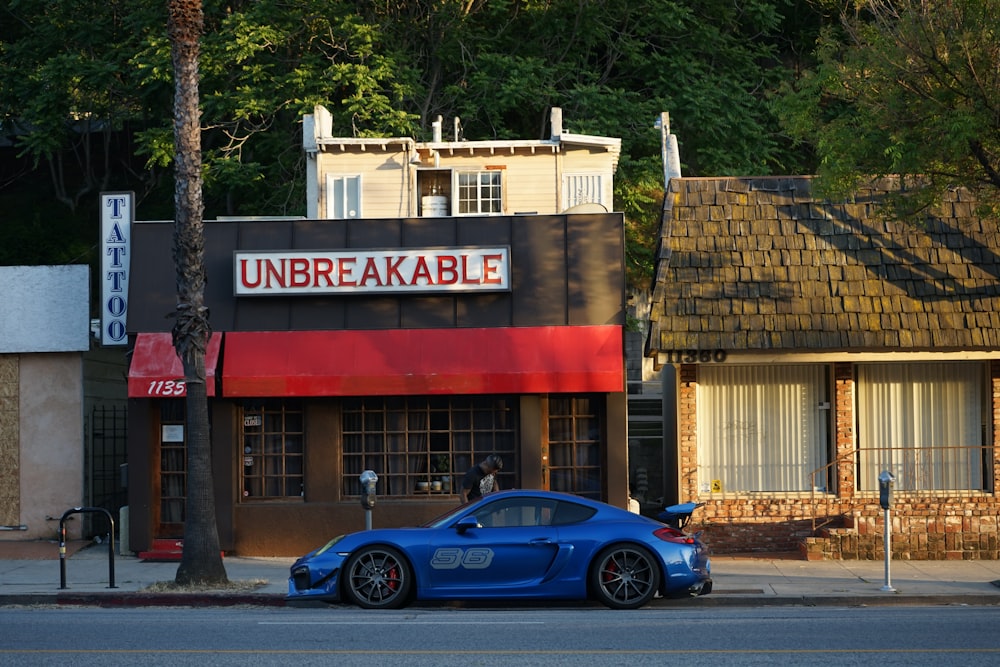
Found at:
<point>368,481</point>
<point>885,480</point>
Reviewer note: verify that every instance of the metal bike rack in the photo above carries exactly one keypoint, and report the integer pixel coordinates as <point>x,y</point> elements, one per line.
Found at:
<point>62,543</point>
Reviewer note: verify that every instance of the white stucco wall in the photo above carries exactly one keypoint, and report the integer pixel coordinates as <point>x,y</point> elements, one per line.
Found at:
<point>51,435</point>
<point>45,308</point>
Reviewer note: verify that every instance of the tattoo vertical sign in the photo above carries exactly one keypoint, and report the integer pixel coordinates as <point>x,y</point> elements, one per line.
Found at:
<point>116,230</point>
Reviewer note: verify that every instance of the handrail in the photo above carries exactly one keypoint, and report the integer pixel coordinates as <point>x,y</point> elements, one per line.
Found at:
<point>915,469</point>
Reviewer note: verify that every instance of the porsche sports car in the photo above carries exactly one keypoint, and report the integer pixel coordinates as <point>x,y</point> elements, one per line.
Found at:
<point>506,546</point>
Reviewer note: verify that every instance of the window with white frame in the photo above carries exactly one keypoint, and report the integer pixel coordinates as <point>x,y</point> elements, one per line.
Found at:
<point>762,428</point>
<point>480,192</point>
<point>343,196</point>
<point>923,422</point>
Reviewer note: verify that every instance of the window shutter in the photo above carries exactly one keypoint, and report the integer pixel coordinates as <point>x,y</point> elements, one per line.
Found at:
<point>582,189</point>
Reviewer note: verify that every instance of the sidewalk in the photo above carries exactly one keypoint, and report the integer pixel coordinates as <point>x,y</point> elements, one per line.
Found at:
<point>739,581</point>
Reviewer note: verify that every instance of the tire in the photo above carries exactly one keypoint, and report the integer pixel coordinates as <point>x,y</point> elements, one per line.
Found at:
<point>378,578</point>
<point>625,576</point>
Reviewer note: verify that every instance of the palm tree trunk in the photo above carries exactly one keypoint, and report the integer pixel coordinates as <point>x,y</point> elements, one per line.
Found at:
<point>201,561</point>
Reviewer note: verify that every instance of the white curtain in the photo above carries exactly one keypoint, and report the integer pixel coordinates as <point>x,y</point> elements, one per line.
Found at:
<point>762,428</point>
<point>923,423</point>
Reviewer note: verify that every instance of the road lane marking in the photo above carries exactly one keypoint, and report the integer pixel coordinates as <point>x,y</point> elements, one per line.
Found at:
<point>403,622</point>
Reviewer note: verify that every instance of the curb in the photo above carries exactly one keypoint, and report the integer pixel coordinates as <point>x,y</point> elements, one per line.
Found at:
<point>840,601</point>
<point>145,600</point>
<point>707,601</point>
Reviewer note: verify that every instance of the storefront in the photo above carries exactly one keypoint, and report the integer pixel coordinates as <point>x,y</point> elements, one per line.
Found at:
<point>413,347</point>
<point>812,345</point>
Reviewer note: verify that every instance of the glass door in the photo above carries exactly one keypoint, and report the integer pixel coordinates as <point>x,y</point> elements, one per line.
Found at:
<point>171,478</point>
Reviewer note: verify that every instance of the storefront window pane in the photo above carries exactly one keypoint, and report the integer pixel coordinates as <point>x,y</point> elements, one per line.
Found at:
<point>575,445</point>
<point>762,428</point>
<point>924,423</point>
<point>440,442</point>
<point>273,443</point>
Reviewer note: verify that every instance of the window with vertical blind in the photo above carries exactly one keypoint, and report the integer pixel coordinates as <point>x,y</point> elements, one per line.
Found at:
<point>762,428</point>
<point>924,423</point>
<point>422,445</point>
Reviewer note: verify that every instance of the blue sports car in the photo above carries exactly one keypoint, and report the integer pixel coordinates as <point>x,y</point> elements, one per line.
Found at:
<point>509,545</point>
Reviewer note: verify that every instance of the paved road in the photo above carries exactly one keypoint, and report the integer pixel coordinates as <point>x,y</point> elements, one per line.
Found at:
<point>592,637</point>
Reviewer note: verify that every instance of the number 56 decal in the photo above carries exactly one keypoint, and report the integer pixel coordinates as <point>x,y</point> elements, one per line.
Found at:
<point>477,558</point>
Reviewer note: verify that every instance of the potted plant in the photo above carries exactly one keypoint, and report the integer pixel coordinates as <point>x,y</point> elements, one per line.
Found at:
<point>442,465</point>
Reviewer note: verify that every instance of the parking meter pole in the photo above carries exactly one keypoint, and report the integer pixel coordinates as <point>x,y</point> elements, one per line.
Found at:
<point>368,519</point>
<point>888,553</point>
<point>885,482</point>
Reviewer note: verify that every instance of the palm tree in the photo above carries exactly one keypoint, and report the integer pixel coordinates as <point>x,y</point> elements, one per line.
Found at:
<point>201,562</point>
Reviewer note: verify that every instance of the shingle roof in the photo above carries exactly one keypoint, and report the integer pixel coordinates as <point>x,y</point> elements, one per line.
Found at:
<point>751,264</point>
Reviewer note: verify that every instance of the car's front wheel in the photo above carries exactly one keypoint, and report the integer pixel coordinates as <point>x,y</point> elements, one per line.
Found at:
<point>378,578</point>
<point>625,576</point>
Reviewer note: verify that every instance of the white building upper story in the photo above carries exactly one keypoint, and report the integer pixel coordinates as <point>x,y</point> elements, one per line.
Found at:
<point>398,177</point>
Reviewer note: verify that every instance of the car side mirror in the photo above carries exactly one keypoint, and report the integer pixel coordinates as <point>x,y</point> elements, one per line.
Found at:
<point>467,522</point>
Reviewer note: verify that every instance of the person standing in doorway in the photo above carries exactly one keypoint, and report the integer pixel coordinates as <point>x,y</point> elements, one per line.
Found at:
<point>481,479</point>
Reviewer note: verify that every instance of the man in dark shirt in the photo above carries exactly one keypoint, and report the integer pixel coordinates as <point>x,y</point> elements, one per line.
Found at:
<point>481,479</point>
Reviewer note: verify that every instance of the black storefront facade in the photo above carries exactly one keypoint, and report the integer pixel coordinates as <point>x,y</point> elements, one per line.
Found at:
<point>507,338</point>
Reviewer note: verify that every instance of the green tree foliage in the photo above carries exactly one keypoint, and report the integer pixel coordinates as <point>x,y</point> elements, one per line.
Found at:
<point>391,68</point>
<point>67,92</point>
<point>908,88</point>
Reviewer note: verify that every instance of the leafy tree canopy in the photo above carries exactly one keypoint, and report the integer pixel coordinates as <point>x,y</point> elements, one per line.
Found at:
<point>908,88</point>
<point>387,68</point>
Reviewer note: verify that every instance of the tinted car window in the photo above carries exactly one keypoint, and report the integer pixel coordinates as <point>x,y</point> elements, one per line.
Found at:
<point>567,513</point>
<point>516,512</point>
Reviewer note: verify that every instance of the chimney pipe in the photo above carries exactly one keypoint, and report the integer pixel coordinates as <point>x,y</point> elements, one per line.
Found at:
<point>555,117</point>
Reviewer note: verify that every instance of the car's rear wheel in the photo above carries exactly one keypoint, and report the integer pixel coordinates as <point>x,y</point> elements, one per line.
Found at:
<point>625,576</point>
<point>378,578</point>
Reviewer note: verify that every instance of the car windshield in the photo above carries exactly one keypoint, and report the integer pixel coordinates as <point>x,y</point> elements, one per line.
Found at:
<point>446,518</point>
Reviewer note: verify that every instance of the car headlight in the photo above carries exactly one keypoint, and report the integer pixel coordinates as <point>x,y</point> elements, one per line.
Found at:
<point>329,544</point>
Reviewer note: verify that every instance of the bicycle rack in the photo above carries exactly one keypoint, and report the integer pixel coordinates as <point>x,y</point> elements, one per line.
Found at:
<point>62,544</point>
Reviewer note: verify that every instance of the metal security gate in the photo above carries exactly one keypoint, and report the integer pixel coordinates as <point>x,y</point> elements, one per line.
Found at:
<point>104,458</point>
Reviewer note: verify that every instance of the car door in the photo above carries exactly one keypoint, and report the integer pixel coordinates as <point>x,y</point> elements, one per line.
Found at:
<point>510,549</point>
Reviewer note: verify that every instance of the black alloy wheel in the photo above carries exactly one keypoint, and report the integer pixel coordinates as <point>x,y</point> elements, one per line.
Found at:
<point>378,577</point>
<point>625,577</point>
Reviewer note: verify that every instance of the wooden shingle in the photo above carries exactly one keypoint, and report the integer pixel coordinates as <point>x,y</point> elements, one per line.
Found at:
<point>772,268</point>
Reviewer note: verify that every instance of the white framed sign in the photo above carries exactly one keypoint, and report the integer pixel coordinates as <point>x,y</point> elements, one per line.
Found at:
<point>416,270</point>
<point>116,230</point>
<point>172,433</point>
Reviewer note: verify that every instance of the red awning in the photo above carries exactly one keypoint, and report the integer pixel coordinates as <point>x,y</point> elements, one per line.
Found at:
<point>516,360</point>
<point>157,372</point>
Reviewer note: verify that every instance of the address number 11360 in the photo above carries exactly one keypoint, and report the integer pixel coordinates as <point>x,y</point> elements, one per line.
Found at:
<point>695,356</point>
